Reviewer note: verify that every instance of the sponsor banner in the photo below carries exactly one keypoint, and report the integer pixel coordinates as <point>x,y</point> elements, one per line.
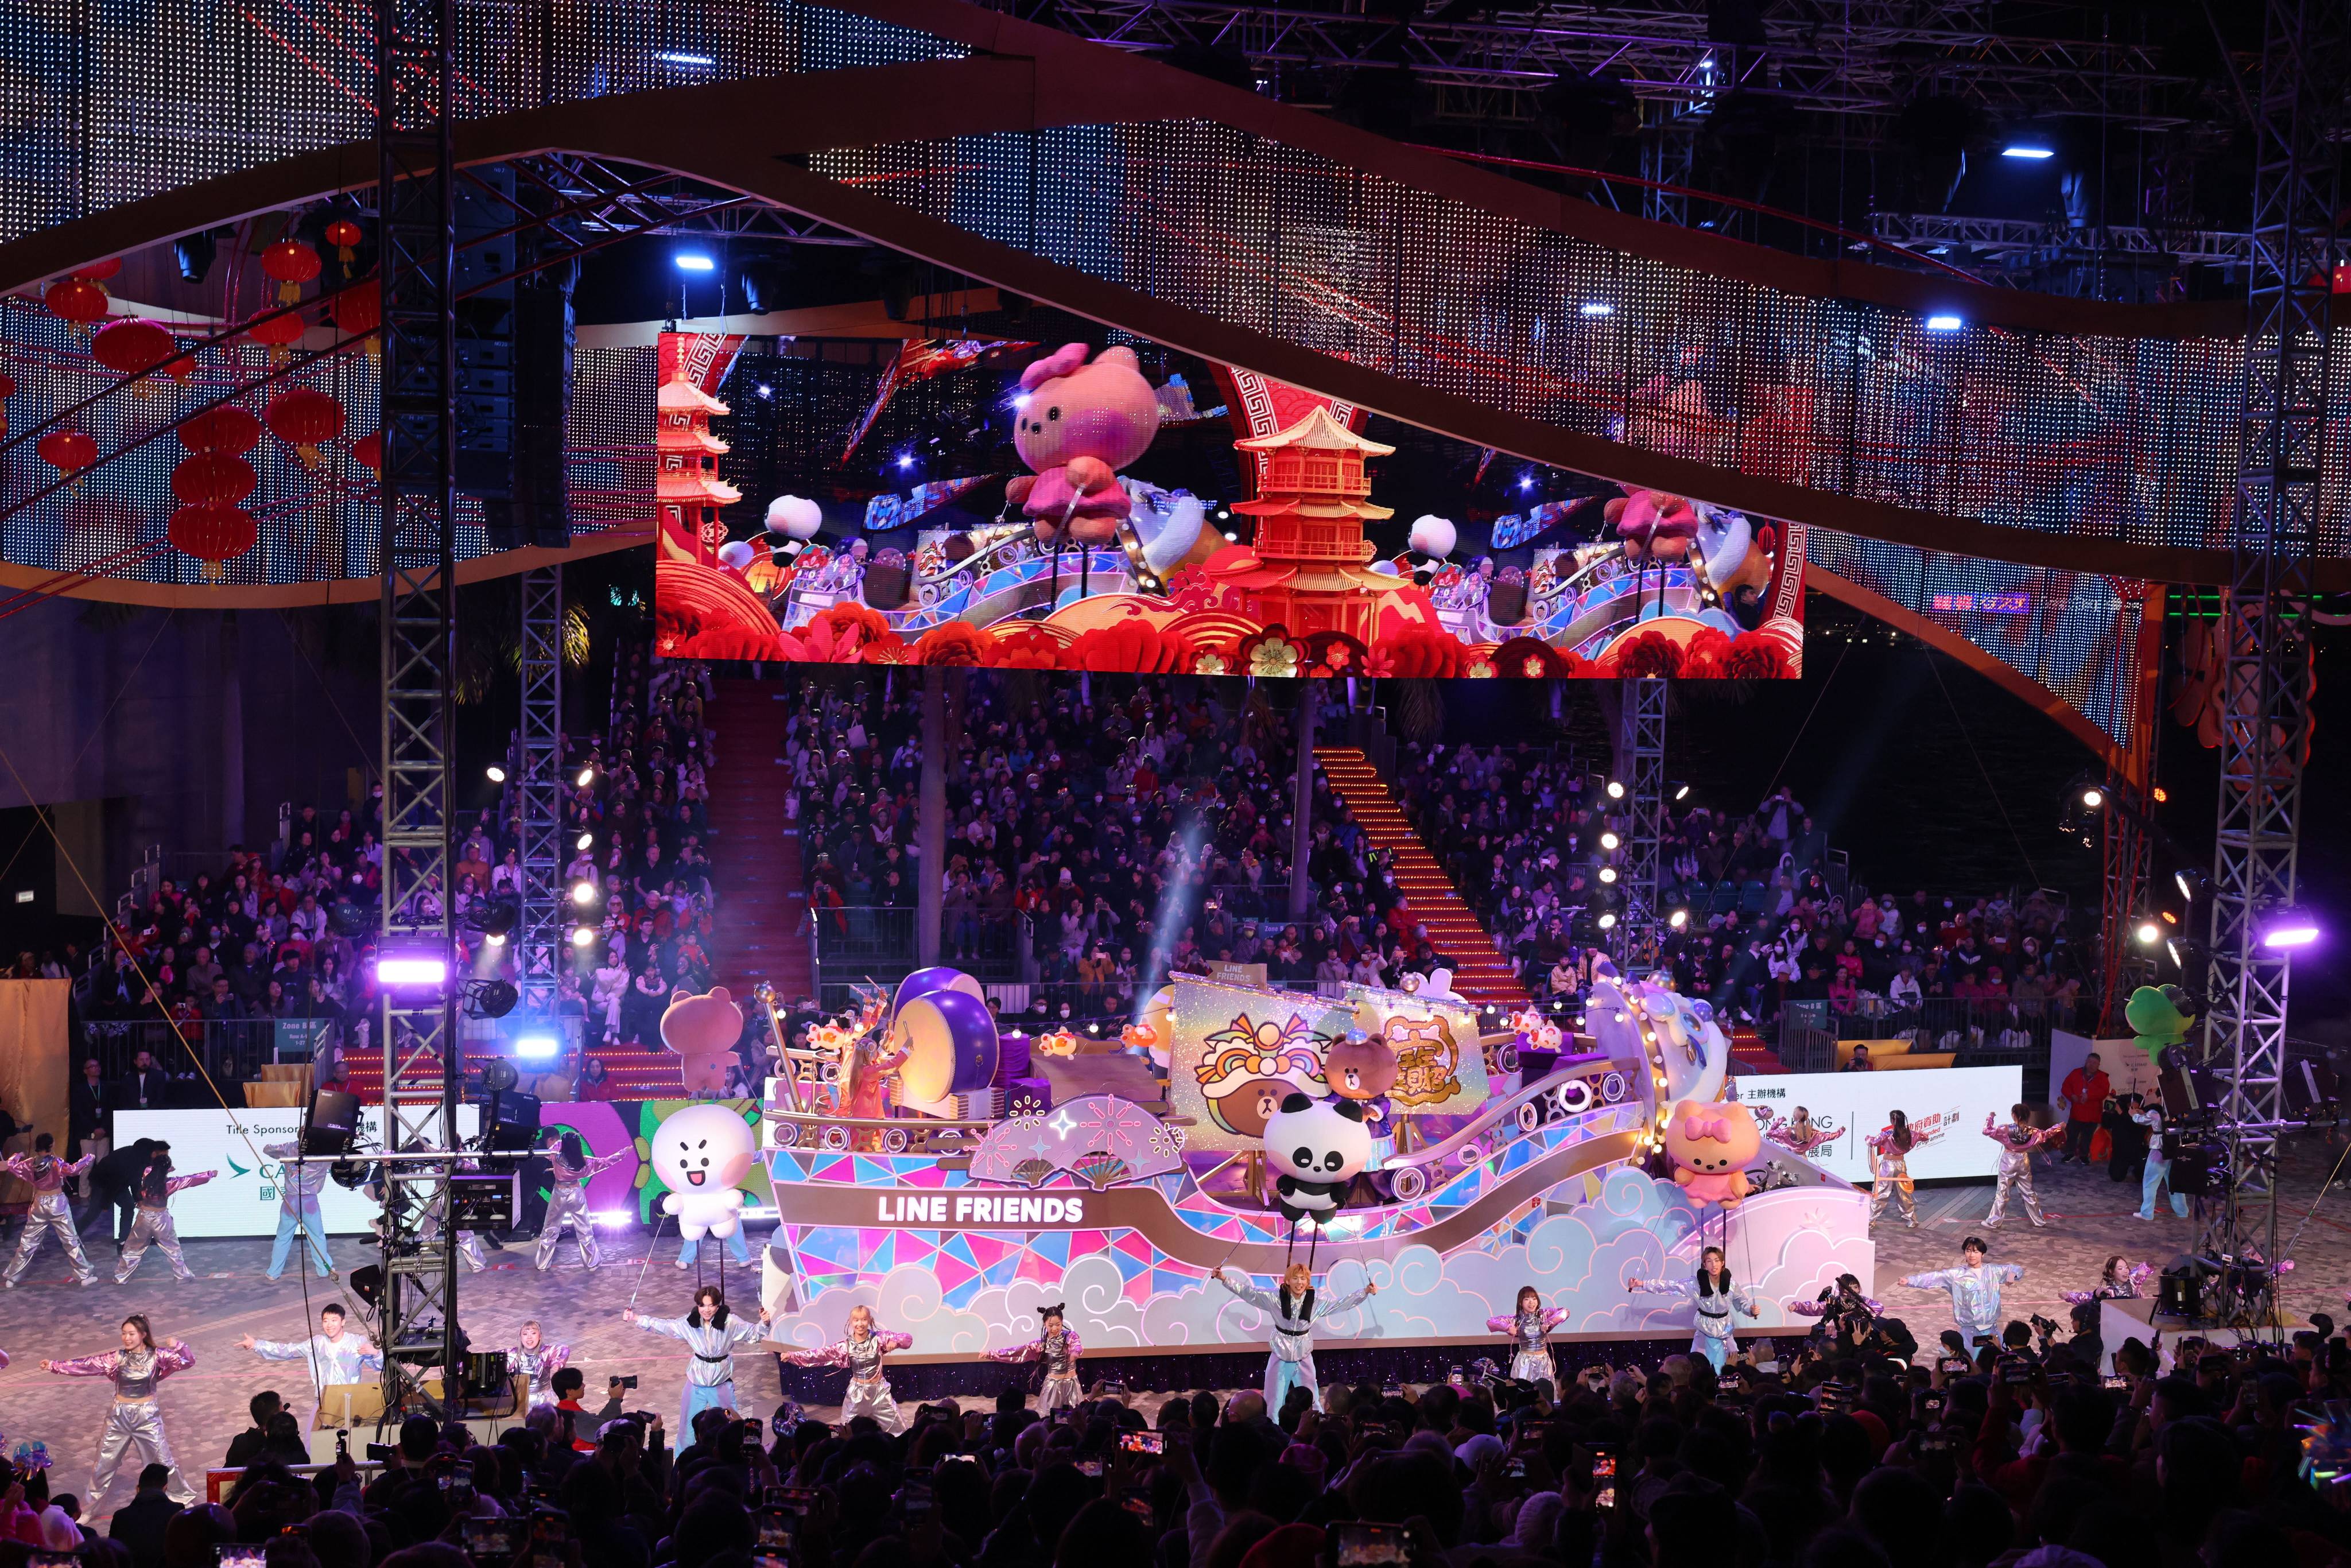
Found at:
<point>1946,1106</point>
<point>241,1200</point>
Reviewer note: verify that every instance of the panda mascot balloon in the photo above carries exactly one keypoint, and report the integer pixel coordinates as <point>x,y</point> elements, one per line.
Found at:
<point>1314,1149</point>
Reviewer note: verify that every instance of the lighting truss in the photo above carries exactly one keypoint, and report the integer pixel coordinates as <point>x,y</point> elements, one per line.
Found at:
<point>1642,745</point>
<point>2266,672</point>
<point>539,944</point>
<point>1866,60</point>
<point>418,626</point>
<point>2009,240</point>
<point>2127,859</point>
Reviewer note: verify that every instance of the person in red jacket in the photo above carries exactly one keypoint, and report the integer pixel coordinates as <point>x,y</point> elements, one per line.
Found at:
<point>2084,1091</point>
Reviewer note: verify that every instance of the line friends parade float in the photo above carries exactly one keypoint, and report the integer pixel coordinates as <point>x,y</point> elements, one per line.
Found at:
<point>1159,1191</point>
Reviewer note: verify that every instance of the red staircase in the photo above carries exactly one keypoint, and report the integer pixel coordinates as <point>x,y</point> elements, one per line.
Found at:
<point>760,896</point>
<point>1482,976</point>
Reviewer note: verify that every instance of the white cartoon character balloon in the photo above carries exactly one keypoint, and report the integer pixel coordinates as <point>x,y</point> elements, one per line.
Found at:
<point>702,1154</point>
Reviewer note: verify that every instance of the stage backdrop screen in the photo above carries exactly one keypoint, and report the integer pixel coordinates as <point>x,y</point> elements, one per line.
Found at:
<point>241,1200</point>
<point>1946,1106</point>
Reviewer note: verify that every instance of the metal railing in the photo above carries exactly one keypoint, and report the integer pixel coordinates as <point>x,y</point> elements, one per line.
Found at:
<point>1977,1032</point>
<point>233,1050</point>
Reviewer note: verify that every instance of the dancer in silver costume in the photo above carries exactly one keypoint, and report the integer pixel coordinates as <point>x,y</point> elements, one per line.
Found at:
<point>713,1335</point>
<point>1716,1298</point>
<point>50,1212</point>
<point>538,1361</point>
<point>1529,1327</point>
<point>299,1185</point>
<point>1975,1290</point>
<point>134,1425</point>
<point>1293,1311</point>
<point>572,1171</point>
<point>1058,1347</point>
<point>157,1188</point>
<point>1889,1169</point>
<point>334,1356</point>
<point>2017,1140</point>
<point>869,1391</point>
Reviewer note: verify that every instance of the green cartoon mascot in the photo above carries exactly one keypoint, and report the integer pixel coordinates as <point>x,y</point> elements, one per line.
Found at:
<point>2159,1017</point>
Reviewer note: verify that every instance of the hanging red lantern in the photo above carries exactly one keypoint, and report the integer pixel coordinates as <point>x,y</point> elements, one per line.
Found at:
<point>66,451</point>
<point>358,310</point>
<point>368,451</point>
<point>132,347</point>
<point>100,271</point>
<point>223,429</point>
<point>345,236</point>
<point>292,264</point>
<point>76,302</point>
<point>212,535</point>
<point>304,419</point>
<point>7,391</point>
<point>276,332</point>
<point>212,479</point>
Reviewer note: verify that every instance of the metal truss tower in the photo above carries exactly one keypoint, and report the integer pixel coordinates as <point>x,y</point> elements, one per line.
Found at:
<point>539,934</point>
<point>2126,856</point>
<point>2264,710</point>
<point>422,1067</point>
<point>1642,746</point>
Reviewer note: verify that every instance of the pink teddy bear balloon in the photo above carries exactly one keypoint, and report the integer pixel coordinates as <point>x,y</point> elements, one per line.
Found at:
<point>1710,1147</point>
<point>1080,424</point>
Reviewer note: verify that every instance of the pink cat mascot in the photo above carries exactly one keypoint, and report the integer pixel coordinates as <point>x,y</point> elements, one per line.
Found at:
<point>1082,423</point>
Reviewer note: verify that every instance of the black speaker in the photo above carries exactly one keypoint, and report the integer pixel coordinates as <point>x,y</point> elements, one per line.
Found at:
<point>481,1202</point>
<point>332,1123</point>
<point>485,1374</point>
<point>2197,1169</point>
<point>2179,1293</point>
<point>513,1121</point>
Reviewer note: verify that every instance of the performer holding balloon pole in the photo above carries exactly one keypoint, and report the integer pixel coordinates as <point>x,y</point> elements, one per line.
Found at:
<point>1716,1297</point>
<point>134,1425</point>
<point>1530,1329</point>
<point>1292,1309</point>
<point>861,1351</point>
<point>713,1335</point>
<point>50,1212</point>
<point>570,1171</point>
<point>157,1186</point>
<point>1056,1347</point>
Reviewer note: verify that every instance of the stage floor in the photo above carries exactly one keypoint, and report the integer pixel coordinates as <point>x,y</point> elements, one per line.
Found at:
<point>49,1316</point>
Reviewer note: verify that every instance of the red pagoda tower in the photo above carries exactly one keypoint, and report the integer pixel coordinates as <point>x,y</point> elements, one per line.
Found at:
<point>1312,566</point>
<point>687,489</point>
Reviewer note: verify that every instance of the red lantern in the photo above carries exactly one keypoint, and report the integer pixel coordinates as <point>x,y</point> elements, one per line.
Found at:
<point>132,347</point>
<point>304,419</point>
<point>77,302</point>
<point>66,451</point>
<point>212,479</point>
<point>223,429</point>
<point>359,309</point>
<point>368,451</point>
<point>276,332</point>
<point>292,264</point>
<point>100,271</point>
<point>7,391</point>
<point>345,236</point>
<point>212,535</point>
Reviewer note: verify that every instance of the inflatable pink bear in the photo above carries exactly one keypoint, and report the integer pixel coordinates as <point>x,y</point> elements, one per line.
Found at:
<point>1710,1145</point>
<point>1081,424</point>
<point>1652,523</point>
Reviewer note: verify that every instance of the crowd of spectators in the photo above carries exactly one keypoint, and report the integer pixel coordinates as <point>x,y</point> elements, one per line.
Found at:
<point>1529,837</point>
<point>1843,1453</point>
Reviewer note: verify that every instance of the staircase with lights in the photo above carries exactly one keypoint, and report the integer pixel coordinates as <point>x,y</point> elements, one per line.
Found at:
<point>1480,974</point>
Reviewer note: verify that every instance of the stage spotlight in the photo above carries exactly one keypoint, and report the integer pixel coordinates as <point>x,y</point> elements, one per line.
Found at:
<point>495,938</point>
<point>1677,919</point>
<point>498,1074</point>
<point>2094,798</point>
<point>411,971</point>
<point>1608,873</point>
<point>583,936</point>
<point>2031,151</point>
<point>695,261</point>
<point>1609,841</point>
<point>1615,789</point>
<point>2161,794</point>
<point>1681,791</point>
<point>676,57</point>
<point>492,999</point>
<point>2173,949</point>
<point>583,891</point>
<point>1597,307</point>
<point>1944,323</point>
<point>497,774</point>
<point>587,777</point>
<point>533,1048</point>
<point>498,917</point>
<point>2288,929</point>
<point>2150,932</point>
<point>1607,922</point>
<point>586,842</point>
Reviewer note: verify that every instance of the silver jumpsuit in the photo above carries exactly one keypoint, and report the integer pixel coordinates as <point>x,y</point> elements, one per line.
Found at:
<point>567,1204</point>
<point>1975,1294</point>
<point>1291,1362</point>
<point>1710,1331</point>
<point>50,1213</point>
<point>154,1226</point>
<point>332,1361</point>
<point>869,1392</point>
<point>1531,1358</point>
<point>710,1374</point>
<point>134,1425</point>
<point>1059,1348</point>
<point>540,1366</point>
<point>1890,1181</point>
<point>2016,1146</point>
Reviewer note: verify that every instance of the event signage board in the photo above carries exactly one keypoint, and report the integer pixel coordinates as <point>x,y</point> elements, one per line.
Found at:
<point>241,1200</point>
<point>1946,1106</point>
